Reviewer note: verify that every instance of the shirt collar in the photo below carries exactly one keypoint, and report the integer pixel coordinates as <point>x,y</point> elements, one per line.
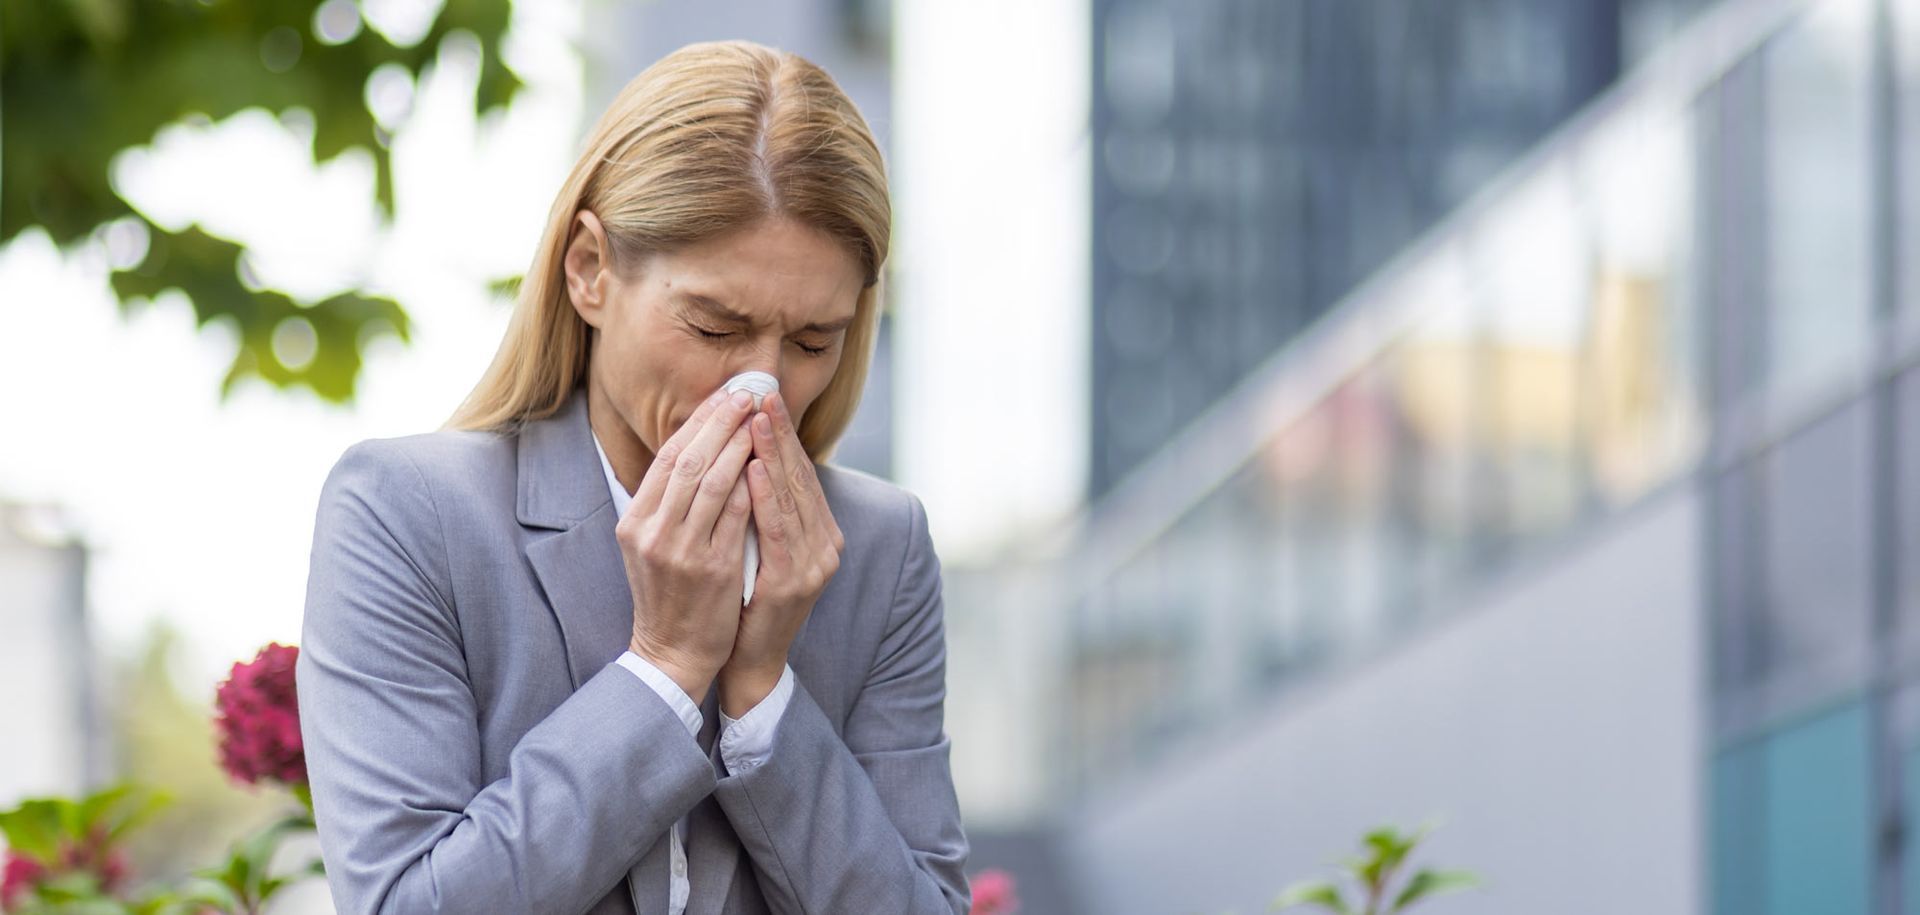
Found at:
<point>621,497</point>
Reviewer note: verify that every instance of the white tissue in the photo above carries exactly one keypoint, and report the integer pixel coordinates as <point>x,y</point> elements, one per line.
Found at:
<point>759,385</point>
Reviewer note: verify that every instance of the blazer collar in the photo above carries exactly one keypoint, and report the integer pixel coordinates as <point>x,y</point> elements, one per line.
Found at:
<point>561,483</point>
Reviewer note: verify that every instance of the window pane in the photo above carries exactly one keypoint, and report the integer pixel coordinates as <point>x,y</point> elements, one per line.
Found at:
<point>1638,402</point>
<point>1817,820</point>
<point>1817,117</point>
<point>1736,814</point>
<point>1534,267</point>
<point>1907,59</point>
<point>1818,551</point>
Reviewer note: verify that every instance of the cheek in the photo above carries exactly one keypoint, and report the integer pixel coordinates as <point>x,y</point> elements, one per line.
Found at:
<point>803,392</point>
<point>659,383</point>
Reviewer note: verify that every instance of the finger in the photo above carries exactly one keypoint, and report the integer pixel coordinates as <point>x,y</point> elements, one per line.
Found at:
<point>683,482</point>
<point>713,489</point>
<point>811,501</point>
<point>767,516</point>
<point>768,451</point>
<point>732,527</point>
<point>654,482</point>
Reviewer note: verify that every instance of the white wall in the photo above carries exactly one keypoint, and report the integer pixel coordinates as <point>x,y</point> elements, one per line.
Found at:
<point>1557,728</point>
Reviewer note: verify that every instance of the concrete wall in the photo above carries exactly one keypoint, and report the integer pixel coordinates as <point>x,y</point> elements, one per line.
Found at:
<point>45,673</point>
<point>1556,727</point>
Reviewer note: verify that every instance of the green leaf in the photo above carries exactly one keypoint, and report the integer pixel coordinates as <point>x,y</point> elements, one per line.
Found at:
<point>1318,892</point>
<point>1429,883</point>
<point>133,68</point>
<point>34,828</point>
<point>206,891</point>
<point>140,808</point>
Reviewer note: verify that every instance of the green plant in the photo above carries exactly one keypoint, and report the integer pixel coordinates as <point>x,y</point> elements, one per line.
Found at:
<point>65,856</point>
<point>1372,871</point>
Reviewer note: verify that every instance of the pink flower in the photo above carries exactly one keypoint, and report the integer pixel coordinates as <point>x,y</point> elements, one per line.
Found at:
<point>259,719</point>
<point>21,876</point>
<point>993,893</point>
<point>24,874</point>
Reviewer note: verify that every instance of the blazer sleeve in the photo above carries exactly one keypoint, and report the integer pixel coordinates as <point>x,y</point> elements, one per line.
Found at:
<point>869,822</point>
<point>391,731</point>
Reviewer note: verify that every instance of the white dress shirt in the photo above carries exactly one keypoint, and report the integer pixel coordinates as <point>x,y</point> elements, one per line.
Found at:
<point>744,742</point>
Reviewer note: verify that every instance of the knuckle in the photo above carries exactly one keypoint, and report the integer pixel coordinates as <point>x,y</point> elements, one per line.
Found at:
<point>690,464</point>
<point>716,486</point>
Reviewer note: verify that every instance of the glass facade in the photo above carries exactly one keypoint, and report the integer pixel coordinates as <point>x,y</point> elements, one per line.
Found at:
<point>1711,287</point>
<point>1254,160</point>
<point>1541,370</point>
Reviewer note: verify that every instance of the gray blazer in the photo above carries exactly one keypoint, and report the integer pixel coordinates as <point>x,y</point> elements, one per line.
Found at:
<point>472,747</point>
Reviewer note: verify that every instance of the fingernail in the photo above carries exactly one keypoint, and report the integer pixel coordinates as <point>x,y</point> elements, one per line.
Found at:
<point>742,399</point>
<point>761,425</point>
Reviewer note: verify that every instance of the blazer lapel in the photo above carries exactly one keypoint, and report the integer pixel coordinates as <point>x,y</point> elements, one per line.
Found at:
<point>562,489</point>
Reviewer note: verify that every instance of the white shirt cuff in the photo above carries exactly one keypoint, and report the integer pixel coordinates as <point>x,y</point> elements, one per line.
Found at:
<point>676,697</point>
<point>747,741</point>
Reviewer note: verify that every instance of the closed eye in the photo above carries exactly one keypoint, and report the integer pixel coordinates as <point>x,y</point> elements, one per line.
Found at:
<point>809,350</point>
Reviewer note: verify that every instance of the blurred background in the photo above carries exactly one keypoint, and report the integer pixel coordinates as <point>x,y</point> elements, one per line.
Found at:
<point>1500,413</point>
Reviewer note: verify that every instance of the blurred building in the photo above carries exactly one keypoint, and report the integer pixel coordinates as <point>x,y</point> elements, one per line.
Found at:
<point>1253,161</point>
<point>50,724</point>
<point>851,40</point>
<point>1581,523</point>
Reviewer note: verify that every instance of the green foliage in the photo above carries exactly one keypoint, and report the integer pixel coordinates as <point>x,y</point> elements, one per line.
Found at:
<point>244,882</point>
<point>47,830</point>
<point>44,828</point>
<point>1383,852</point>
<point>82,80</point>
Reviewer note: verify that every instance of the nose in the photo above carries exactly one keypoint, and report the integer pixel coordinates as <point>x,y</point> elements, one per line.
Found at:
<point>759,361</point>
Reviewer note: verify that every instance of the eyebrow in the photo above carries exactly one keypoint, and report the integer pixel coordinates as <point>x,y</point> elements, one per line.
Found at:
<point>718,310</point>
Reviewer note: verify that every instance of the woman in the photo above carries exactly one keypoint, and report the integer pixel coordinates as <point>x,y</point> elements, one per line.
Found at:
<point>528,683</point>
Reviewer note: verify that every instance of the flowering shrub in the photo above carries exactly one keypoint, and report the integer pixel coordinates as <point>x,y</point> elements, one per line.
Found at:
<point>62,854</point>
<point>258,720</point>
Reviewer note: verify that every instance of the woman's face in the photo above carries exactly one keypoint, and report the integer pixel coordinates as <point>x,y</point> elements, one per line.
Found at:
<point>775,296</point>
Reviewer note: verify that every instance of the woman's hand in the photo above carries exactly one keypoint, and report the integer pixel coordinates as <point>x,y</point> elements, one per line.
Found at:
<point>682,537</point>
<point>800,546</point>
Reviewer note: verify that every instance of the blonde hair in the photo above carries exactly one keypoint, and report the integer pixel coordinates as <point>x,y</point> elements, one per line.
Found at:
<point>711,138</point>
